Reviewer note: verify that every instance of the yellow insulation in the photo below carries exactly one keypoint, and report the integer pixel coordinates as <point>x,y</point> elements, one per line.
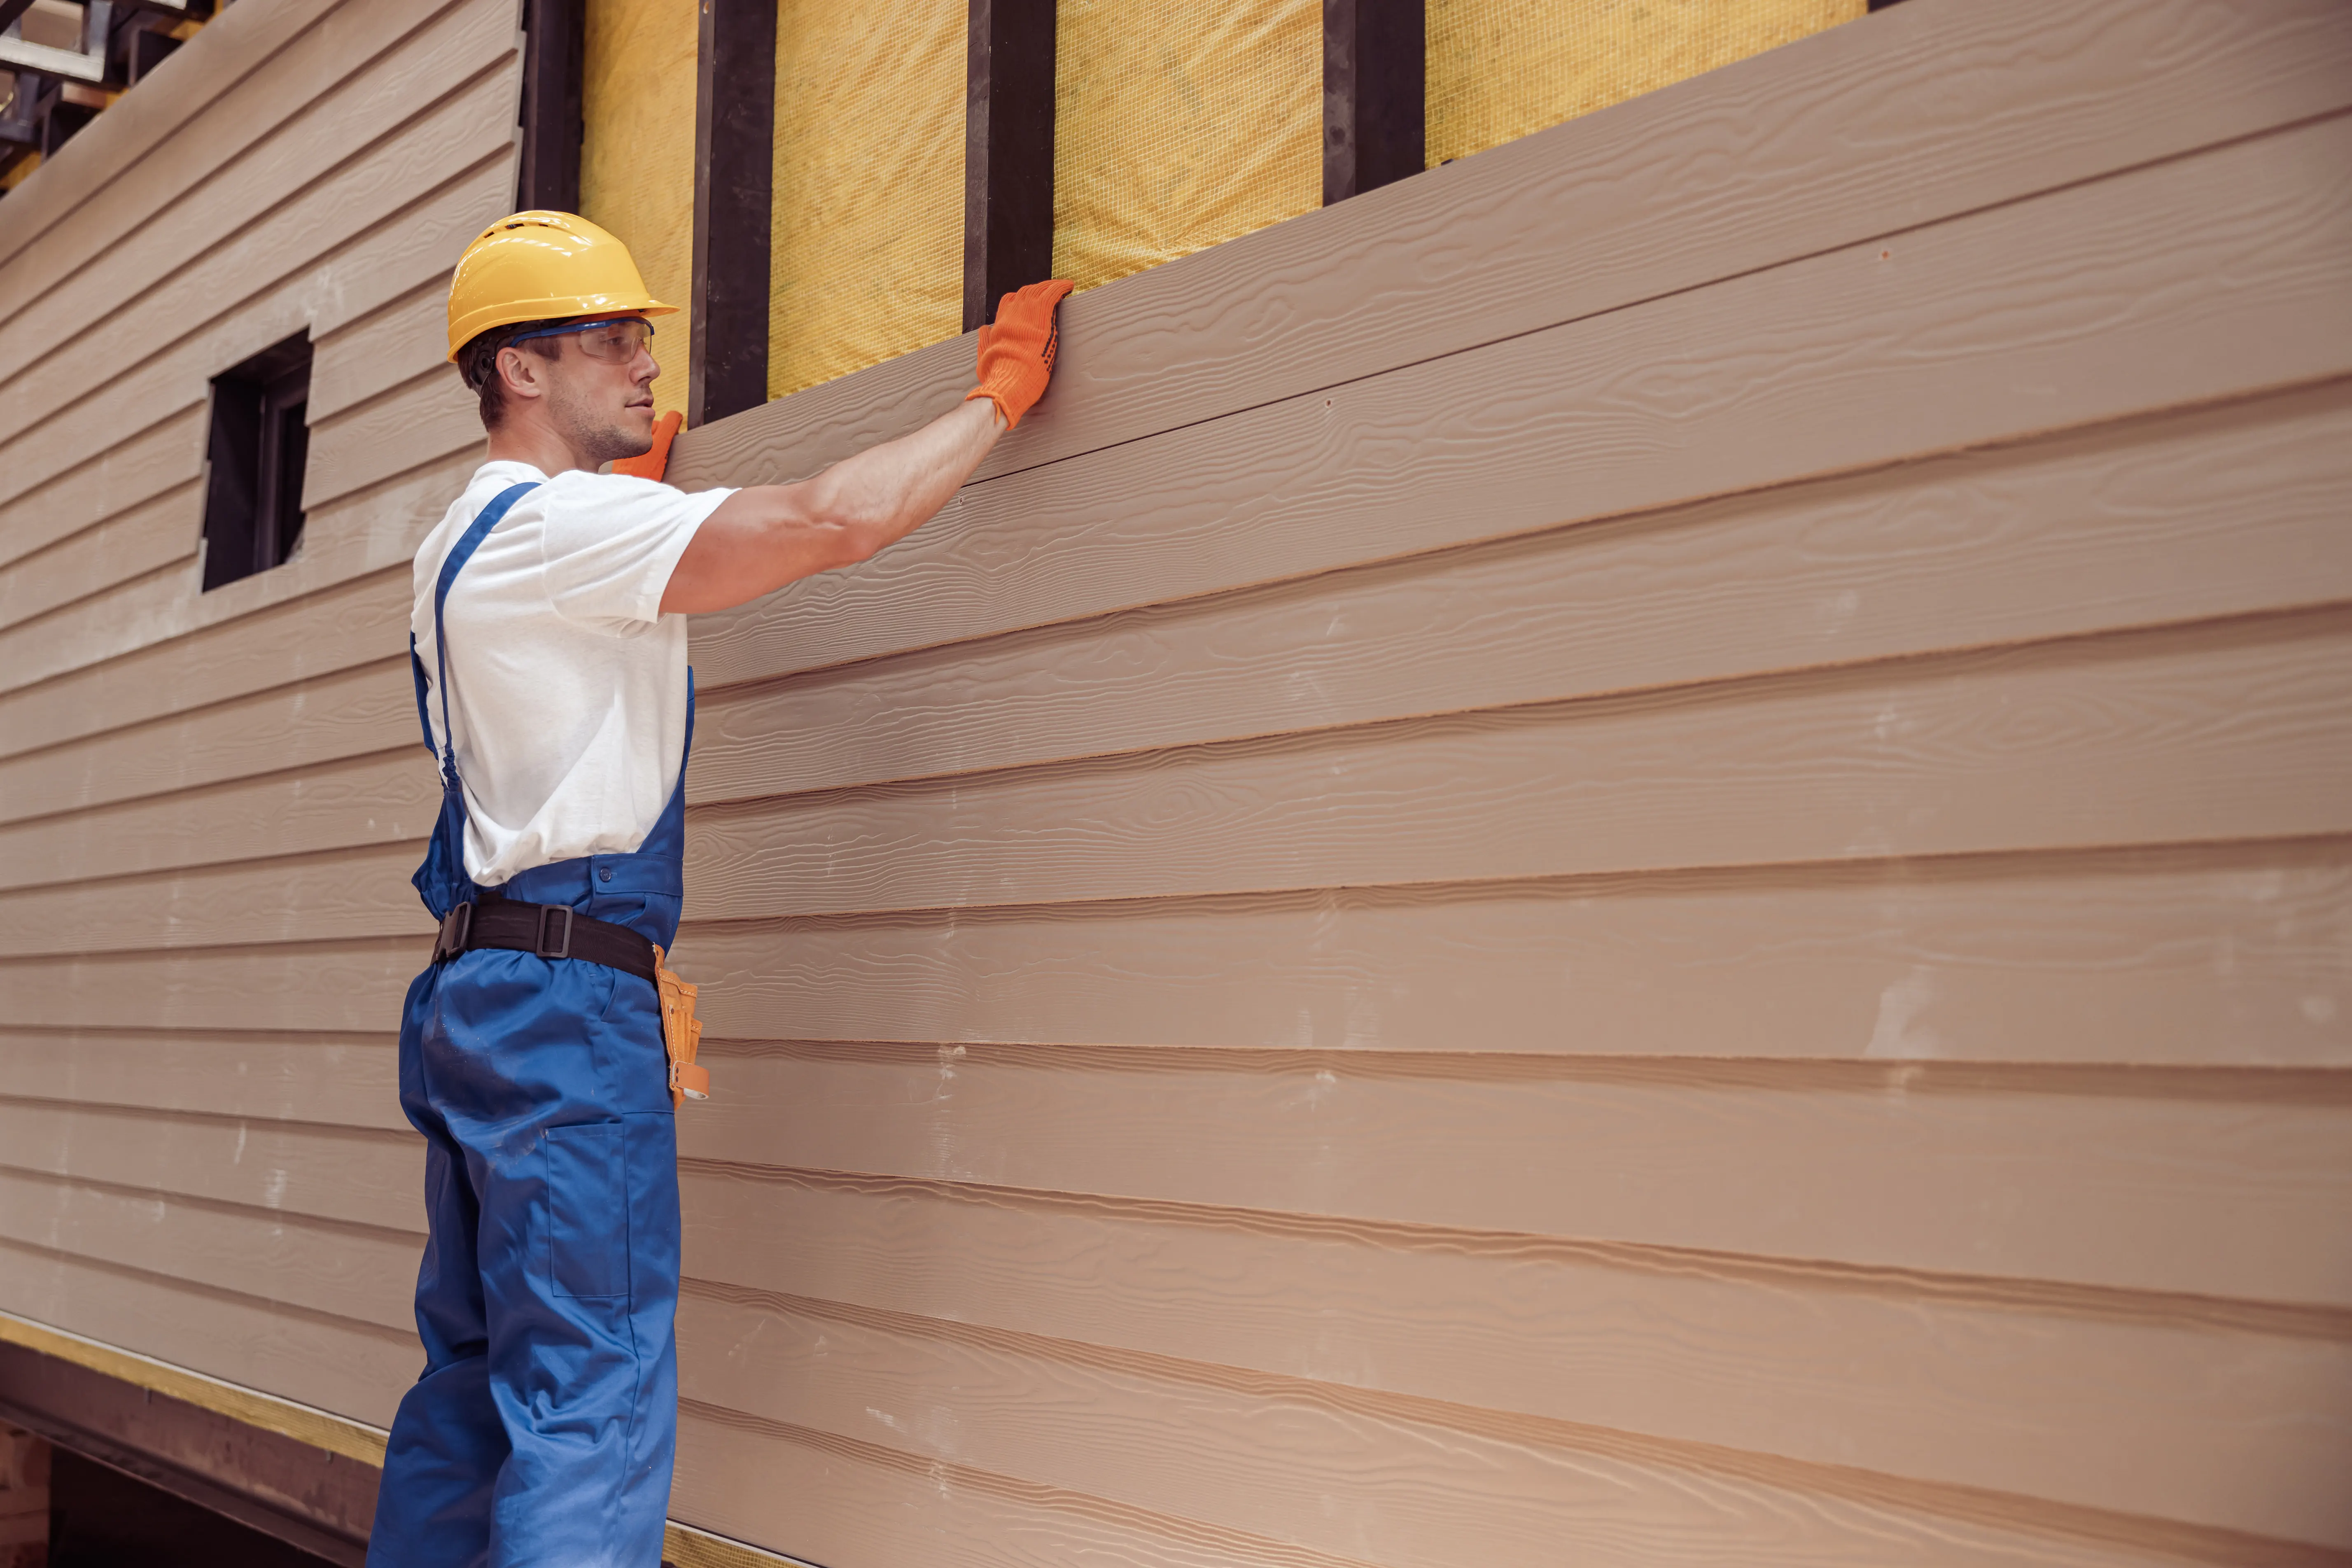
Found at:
<point>636,163</point>
<point>868,259</point>
<point>1181,124</point>
<point>1501,69</point>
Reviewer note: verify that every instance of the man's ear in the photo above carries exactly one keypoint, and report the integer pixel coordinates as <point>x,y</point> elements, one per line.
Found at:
<point>520,370</point>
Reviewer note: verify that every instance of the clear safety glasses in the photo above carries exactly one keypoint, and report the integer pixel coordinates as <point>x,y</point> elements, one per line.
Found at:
<point>617,342</point>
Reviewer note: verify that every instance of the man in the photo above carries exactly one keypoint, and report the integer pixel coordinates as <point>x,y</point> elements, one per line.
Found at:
<point>550,647</point>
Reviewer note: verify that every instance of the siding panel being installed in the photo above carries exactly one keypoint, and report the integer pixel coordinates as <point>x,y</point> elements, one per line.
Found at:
<point>1690,907</point>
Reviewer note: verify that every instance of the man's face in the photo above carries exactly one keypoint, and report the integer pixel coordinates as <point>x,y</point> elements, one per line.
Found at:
<point>598,391</point>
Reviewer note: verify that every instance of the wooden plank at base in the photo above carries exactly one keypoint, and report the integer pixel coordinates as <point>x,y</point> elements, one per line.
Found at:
<point>683,1545</point>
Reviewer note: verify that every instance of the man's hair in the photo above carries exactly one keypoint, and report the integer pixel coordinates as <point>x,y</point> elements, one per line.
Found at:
<point>477,361</point>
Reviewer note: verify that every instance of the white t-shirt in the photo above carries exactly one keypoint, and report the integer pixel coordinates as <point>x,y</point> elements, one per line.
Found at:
<point>567,684</point>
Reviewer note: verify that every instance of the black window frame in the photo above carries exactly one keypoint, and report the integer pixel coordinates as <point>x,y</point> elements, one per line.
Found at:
<point>257,451</point>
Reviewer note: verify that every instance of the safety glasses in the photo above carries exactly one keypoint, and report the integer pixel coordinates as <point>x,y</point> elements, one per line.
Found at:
<point>615,341</point>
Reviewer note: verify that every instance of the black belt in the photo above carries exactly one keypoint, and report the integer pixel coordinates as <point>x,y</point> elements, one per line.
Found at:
<point>551,930</point>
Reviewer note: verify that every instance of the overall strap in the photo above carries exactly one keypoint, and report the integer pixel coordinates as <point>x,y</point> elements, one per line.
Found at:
<point>451,564</point>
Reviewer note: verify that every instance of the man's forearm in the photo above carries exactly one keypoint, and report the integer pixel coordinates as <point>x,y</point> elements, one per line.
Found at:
<point>763,538</point>
<point>886,492</point>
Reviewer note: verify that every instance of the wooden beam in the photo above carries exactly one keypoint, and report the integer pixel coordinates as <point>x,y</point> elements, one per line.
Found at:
<point>1374,53</point>
<point>1008,153</point>
<point>734,146</point>
<point>553,65</point>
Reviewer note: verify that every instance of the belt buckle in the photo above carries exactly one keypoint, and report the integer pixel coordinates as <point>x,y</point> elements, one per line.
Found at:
<point>456,926</point>
<point>564,948</point>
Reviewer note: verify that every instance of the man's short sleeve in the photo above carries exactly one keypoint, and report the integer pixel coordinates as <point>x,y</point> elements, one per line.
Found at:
<point>610,543</point>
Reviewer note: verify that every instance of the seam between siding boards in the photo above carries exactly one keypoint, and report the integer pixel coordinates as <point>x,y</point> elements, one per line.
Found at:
<point>339,1435</point>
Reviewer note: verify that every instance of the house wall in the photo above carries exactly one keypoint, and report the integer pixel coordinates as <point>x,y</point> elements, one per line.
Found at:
<point>1635,853</point>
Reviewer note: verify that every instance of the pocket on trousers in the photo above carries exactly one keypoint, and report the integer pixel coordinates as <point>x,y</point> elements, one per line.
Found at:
<point>587,1211</point>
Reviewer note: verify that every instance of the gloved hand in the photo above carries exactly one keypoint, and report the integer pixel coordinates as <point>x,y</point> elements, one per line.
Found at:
<point>1016,354</point>
<point>655,463</point>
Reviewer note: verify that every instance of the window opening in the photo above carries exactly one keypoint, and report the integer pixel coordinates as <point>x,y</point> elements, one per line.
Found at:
<point>260,440</point>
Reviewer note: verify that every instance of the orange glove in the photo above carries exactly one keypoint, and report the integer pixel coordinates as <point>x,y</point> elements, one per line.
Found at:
<point>1016,354</point>
<point>655,463</point>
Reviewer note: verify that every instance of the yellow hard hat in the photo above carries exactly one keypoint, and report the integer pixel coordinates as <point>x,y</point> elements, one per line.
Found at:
<point>540,265</point>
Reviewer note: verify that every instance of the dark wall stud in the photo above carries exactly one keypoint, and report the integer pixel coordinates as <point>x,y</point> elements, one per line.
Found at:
<point>1374,95</point>
<point>1008,153</point>
<point>734,162</point>
<point>554,63</point>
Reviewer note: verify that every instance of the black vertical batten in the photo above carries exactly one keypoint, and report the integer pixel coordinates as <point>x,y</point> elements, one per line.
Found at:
<point>734,152</point>
<point>554,61</point>
<point>1374,95</point>
<point>1008,153</point>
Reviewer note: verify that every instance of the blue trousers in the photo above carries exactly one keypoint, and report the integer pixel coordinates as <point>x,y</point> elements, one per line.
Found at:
<point>544,1426</point>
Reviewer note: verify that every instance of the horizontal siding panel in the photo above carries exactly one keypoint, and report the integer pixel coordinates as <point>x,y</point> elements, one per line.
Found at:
<point>348,1079</point>
<point>277,295</point>
<point>2220,274</point>
<point>2218,512</point>
<point>362,1274</point>
<point>381,94</point>
<point>160,459</point>
<point>431,419</point>
<point>383,799</point>
<point>1843,137</point>
<point>342,600</point>
<point>2142,738</point>
<point>1380,1479</point>
<point>284,53</point>
<point>2092,1180</point>
<point>343,988</point>
<point>337,1364</point>
<point>373,354</point>
<point>2230,955</point>
<point>358,712</point>
<point>363,1177</point>
<point>2153,1411</point>
<point>358,893</point>
<point>147,538</point>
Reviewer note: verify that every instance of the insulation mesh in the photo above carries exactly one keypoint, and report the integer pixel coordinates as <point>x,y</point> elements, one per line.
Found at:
<point>1181,124</point>
<point>868,258</point>
<point>636,162</point>
<point>1501,69</point>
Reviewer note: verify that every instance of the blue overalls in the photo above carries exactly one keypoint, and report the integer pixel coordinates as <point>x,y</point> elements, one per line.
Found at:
<point>543,1428</point>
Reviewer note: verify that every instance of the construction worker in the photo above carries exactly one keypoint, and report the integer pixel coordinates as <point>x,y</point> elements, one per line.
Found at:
<point>550,652</point>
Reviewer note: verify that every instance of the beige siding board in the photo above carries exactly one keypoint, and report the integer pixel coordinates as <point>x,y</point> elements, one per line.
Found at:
<point>2236,955</point>
<point>355,893</point>
<point>378,351</point>
<point>356,1175</point>
<point>284,53</point>
<point>150,536</point>
<point>2138,1406</point>
<point>340,249</point>
<point>345,986</point>
<point>343,1079</point>
<point>2220,512</point>
<point>363,1273</point>
<point>1850,134</point>
<point>342,601</point>
<point>388,798</point>
<point>828,1498</point>
<point>2222,273</point>
<point>426,420</point>
<point>2139,738</point>
<point>1376,1477</point>
<point>410,245</point>
<point>831,1499</point>
<point>362,712</point>
<point>163,458</point>
<point>353,1369</point>
<point>381,94</point>
<point>2092,1180</point>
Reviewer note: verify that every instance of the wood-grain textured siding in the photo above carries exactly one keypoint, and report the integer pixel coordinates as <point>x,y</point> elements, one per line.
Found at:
<point>1637,853</point>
